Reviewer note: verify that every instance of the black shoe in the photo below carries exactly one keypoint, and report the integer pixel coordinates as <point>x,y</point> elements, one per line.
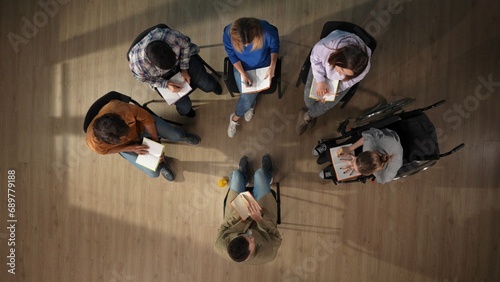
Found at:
<point>218,89</point>
<point>243,167</point>
<point>191,139</point>
<point>191,114</point>
<point>167,172</point>
<point>319,149</point>
<point>267,163</point>
<point>323,158</point>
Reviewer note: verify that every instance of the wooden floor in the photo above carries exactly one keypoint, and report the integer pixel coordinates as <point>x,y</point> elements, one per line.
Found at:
<point>85,217</point>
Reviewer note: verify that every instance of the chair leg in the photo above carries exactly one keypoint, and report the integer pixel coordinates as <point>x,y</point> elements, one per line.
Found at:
<point>278,202</point>
<point>280,94</point>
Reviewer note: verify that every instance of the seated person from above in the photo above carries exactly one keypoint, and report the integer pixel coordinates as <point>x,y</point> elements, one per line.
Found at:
<point>382,154</point>
<point>163,53</point>
<point>340,56</point>
<point>255,240</point>
<point>250,44</point>
<point>119,128</point>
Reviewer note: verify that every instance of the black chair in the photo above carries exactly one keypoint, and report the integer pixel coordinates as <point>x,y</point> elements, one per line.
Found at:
<point>328,27</point>
<point>231,82</point>
<point>113,95</point>
<point>276,194</point>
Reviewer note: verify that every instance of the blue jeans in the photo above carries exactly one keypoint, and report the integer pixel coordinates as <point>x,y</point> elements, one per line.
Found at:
<point>261,183</point>
<point>317,108</point>
<point>200,78</point>
<point>246,101</point>
<point>165,130</point>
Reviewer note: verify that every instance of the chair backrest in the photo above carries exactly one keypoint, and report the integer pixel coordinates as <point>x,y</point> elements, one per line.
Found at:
<point>101,102</point>
<point>328,27</point>
<point>142,35</point>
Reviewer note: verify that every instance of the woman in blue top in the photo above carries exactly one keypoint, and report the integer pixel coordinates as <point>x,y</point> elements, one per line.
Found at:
<point>250,44</point>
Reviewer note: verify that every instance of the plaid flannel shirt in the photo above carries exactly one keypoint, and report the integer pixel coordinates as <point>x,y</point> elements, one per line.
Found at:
<point>145,71</point>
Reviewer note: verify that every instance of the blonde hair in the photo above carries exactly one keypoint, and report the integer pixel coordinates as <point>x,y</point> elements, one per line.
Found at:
<point>245,31</point>
<point>369,162</point>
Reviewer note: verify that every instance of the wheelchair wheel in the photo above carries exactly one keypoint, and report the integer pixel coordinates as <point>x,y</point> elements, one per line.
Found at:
<point>414,168</point>
<point>382,111</point>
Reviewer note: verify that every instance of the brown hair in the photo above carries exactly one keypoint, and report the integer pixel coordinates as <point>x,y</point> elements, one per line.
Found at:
<point>369,162</point>
<point>245,31</point>
<point>109,128</point>
<point>349,57</point>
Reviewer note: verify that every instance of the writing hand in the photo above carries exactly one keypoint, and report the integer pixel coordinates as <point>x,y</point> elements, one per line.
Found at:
<point>185,76</point>
<point>245,79</point>
<point>174,86</point>
<point>254,211</point>
<point>321,89</point>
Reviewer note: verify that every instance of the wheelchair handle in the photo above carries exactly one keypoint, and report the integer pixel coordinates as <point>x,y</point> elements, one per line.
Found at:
<point>459,147</point>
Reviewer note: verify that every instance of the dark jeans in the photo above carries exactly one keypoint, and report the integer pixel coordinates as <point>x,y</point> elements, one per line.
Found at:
<point>200,78</point>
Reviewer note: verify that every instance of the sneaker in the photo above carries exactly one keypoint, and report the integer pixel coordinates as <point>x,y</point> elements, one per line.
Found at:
<point>327,173</point>
<point>167,173</point>
<point>231,129</point>
<point>319,149</point>
<point>191,114</point>
<point>302,122</point>
<point>311,123</point>
<point>191,139</point>
<point>218,89</point>
<point>249,114</point>
<point>267,163</point>
<point>243,167</point>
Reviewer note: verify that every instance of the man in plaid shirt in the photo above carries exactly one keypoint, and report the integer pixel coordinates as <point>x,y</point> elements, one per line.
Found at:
<point>160,55</point>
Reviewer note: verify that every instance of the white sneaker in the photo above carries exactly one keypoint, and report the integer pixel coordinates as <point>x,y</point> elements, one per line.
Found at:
<point>249,114</point>
<point>231,129</point>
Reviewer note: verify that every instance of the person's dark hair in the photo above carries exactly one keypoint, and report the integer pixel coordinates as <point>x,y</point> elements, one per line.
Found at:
<point>238,249</point>
<point>109,128</point>
<point>369,162</point>
<point>349,57</point>
<point>161,55</point>
<point>245,31</point>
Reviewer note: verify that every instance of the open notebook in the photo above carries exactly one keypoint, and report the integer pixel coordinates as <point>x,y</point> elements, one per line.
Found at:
<point>259,82</point>
<point>332,90</point>
<point>172,97</point>
<point>153,157</point>
<point>339,163</point>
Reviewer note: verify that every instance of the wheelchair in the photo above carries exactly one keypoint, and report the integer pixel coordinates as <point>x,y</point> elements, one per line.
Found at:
<point>416,132</point>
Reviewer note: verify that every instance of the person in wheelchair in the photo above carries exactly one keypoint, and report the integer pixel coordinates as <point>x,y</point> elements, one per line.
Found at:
<point>119,128</point>
<point>161,54</point>
<point>340,56</point>
<point>255,240</point>
<point>381,156</point>
<point>250,44</point>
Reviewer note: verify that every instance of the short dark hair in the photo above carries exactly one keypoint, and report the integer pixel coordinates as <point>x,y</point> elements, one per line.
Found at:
<point>110,127</point>
<point>238,249</point>
<point>349,57</point>
<point>161,55</point>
